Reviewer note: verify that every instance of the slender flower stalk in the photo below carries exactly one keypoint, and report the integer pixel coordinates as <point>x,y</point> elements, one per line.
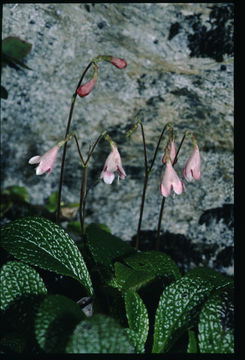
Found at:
<point>83,91</point>
<point>147,173</point>
<point>83,191</point>
<point>65,146</point>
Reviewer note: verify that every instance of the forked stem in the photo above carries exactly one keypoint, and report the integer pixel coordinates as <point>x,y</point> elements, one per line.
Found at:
<point>74,96</point>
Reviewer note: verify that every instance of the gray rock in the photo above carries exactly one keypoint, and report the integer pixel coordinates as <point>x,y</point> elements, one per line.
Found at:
<point>180,70</point>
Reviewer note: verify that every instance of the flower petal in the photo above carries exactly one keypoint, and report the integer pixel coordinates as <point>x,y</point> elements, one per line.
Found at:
<point>108,177</point>
<point>34,160</point>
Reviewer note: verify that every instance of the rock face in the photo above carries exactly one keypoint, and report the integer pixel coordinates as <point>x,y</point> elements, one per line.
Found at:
<point>180,70</point>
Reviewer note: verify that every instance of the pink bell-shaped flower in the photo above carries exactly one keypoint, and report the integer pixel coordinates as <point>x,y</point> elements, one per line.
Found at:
<point>46,161</point>
<point>113,163</point>
<point>172,153</point>
<point>170,180</point>
<point>192,170</point>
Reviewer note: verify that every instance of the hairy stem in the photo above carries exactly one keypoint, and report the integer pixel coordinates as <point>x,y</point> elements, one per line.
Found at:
<point>65,146</point>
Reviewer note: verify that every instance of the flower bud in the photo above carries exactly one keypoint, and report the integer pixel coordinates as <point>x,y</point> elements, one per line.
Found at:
<point>118,62</point>
<point>86,88</point>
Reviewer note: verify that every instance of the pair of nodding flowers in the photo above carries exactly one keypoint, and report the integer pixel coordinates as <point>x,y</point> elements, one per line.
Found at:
<point>170,179</point>
<point>113,162</point>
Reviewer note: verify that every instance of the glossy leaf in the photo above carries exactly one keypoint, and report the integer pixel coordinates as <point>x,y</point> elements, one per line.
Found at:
<point>154,262</point>
<point>39,241</point>
<point>127,278</point>
<point>138,320</point>
<point>99,334</point>
<point>15,47</point>
<point>218,280</point>
<point>106,248</point>
<point>18,279</point>
<point>216,325</point>
<point>178,308</point>
<point>55,321</point>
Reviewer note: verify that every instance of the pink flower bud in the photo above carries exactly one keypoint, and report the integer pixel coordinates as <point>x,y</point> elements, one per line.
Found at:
<point>86,88</point>
<point>192,170</point>
<point>172,153</point>
<point>46,161</point>
<point>113,163</point>
<point>170,180</point>
<point>119,63</point>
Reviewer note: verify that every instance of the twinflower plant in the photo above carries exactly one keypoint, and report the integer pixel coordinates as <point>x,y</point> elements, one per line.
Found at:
<point>98,293</point>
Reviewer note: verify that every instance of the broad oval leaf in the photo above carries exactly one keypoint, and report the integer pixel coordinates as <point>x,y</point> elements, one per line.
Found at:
<point>138,320</point>
<point>177,309</point>
<point>218,280</point>
<point>128,278</point>
<point>106,248</point>
<point>99,334</point>
<point>55,321</point>
<point>18,279</point>
<point>39,241</point>
<point>216,324</point>
<point>154,262</point>
<point>15,47</point>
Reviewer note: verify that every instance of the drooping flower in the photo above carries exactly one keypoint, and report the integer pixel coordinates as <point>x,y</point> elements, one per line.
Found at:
<point>86,88</point>
<point>113,164</point>
<point>172,153</point>
<point>170,180</point>
<point>46,161</point>
<point>192,170</point>
<point>118,62</point>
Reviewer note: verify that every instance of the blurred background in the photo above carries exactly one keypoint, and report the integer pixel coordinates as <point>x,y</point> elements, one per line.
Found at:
<point>180,69</point>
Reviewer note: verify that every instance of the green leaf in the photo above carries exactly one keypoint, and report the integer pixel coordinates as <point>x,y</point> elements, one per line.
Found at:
<point>106,248</point>
<point>99,334</point>
<point>4,93</point>
<point>5,205</point>
<point>216,324</point>
<point>18,279</point>
<point>127,278</point>
<point>16,193</point>
<point>11,61</point>
<point>74,227</point>
<point>177,309</point>
<point>154,262</point>
<point>15,47</point>
<point>52,202</point>
<point>138,320</point>
<point>192,344</point>
<point>55,321</point>
<point>13,342</point>
<point>39,241</point>
<point>218,280</point>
